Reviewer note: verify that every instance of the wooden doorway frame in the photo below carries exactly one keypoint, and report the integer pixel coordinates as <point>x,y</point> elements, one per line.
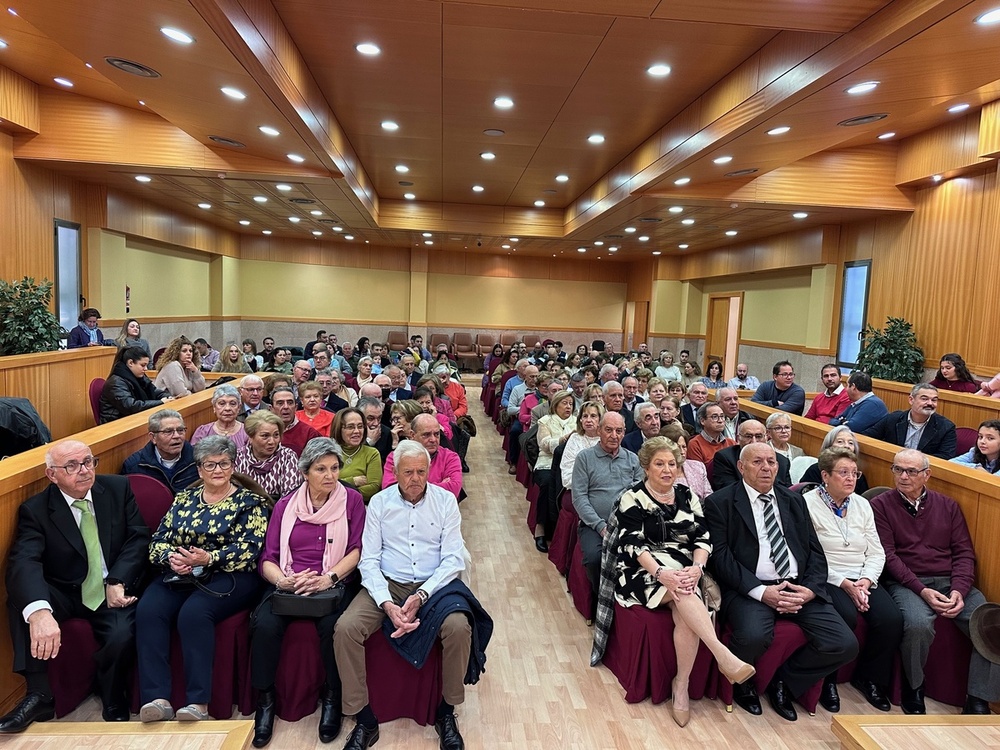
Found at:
<point>734,337</point>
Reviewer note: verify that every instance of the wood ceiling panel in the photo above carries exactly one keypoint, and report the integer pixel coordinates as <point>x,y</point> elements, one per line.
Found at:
<point>778,14</point>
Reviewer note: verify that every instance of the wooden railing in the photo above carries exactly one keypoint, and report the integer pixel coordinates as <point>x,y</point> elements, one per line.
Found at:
<point>964,409</point>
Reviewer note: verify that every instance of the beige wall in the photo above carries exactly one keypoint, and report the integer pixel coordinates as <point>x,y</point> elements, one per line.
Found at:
<point>775,306</point>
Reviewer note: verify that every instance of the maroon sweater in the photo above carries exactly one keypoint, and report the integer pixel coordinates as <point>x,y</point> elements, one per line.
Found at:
<point>935,542</point>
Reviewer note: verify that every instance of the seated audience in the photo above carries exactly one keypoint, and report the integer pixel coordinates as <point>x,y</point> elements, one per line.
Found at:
<point>58,569</point>
<point>713,375</point>
<point>538,395</point>
<point>660,545</point>
<point>405,583</point>
<point>779,431</point>
<point>690,374</point>
<point>231,360</point>
<point>441,401</point>
<point>251,390</point>
<point>127,389</point>
<point>425,399</point>
<point>920,428</point>
<point>703,446</point>
<point>321,338</point>
<point>729,400</point>
<point>929,571</point>
<point>401,416</point>
<point>365,370</point>
<point>254,361</point>
<point>131,335</point>
<point>600,475</point>
<point>212,534</point>
<point>985,454</point>
<point>341,390</point>
<point>594,392</point>
<point>647,418</point>
<point>554,429</point>
<point>630,389</point>
<point>208,355</point>
<point>313,544</point>
<point>676,389</point>
<point>362,464</point>
<point>725,469</point>
<point>332,400</point>
<point>845,526</point>
<point>838,437</point>
<point>693,474</point>
<point>312,412</point>
<point>832,400</point>
<point>744,381</point>
<point>273,382</point>
<point>280,362</point>
<point>167,456</point>
<point>666,369</point>
<point>379,436</point>
<point>295,433</point>
<point>454,391</point>
<point>350,357</point>
<point>398,383</point>
<point>267,353</point>
<point>588,420</point>
<point>697,395</point>
<point>768,570</point>
<point>614,401</point>
<point>655,392</point>
<point>301,373</point>
<point>670,410</point>
<point>445,470</point>
<point>953,375</point>
<point>541,409</point>
<point>865,408</point>
<point>782,392</point>
<point>265,460</point>
<point>226,403</point>
<point>179,369</point>
<point>87,333</point>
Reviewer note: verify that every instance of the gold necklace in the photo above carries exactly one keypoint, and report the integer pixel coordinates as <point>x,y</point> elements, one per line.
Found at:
<point>350,456</point>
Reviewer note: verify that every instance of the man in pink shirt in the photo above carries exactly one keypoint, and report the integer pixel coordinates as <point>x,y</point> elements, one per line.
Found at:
<point>446,467</point>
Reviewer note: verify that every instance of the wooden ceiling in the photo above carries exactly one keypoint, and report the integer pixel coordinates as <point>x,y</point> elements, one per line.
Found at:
<point>572,67</point>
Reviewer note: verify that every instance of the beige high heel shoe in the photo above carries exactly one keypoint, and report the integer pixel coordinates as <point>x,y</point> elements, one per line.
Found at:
<point>681,716</point>
<point>740,675</point>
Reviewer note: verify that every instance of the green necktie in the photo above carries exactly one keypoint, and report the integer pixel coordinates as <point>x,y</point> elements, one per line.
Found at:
<point>93,584</point>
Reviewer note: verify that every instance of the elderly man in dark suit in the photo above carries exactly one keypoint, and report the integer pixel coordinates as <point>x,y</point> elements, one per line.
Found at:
<point>79,550</point>
<point>921,428</point>
<point>769,564</point>
<point>724,464</point>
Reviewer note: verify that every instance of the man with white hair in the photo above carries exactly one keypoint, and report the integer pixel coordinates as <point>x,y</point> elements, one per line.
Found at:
<point>608,374</point>
<point>647,419</point>
<point>521,365</point>
<point>251,396</point>
<point>697,395</point>
<point>412,555</point>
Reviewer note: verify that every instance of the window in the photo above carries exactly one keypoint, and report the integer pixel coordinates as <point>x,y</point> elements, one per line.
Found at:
<point>68,280</point>
<point>853,312</point>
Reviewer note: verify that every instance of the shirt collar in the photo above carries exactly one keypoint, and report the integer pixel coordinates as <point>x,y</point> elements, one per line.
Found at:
<point>753,494</point>
<point>70,500</point>
<point>836,392</point>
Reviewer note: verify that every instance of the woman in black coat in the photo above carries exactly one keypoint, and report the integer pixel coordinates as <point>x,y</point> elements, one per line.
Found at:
<point>127,389</point>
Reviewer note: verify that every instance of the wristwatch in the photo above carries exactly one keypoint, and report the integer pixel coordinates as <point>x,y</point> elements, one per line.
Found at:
<point>422,595</point>
<point>112,582</point>
<point>334,577</point>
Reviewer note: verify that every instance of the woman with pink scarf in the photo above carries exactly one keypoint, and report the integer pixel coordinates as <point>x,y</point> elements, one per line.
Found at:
<point>313,543</point>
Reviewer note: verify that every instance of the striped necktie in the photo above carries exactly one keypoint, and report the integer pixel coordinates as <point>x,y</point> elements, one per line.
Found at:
<point>93,584</point>
<point>779,548</point>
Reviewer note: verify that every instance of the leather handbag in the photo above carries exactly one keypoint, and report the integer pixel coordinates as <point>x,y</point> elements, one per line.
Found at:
<point>320,604</point>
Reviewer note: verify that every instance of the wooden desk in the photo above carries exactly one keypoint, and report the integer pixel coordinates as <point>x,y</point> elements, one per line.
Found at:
<point>899,732</point>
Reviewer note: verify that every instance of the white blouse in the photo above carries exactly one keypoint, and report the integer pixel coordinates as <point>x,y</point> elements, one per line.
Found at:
<point>853,549</point>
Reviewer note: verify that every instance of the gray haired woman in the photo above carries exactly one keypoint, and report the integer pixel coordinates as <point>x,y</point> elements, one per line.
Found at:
<point>321,508</point>
<point>838,437</point>
<point>227,403</point>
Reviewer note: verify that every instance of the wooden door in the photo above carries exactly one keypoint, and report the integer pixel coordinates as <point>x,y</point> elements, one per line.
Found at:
<point>723,331</point>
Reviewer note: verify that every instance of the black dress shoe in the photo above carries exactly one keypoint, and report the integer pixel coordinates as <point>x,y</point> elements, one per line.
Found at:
<point>913,699</point>
<point>362,737</point>
<point>976,706</point>
<point>540,544</point>
<point>263,720</point>
<point>33,707</point>
<point>829,698</point>
<point>873,694</point>
<point>745,696</point>
<point>447,729</point>
<point>115,712</point>
<point>781,700</point>
<point>330,717</point>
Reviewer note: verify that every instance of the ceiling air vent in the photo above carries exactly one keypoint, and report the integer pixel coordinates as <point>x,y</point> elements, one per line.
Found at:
<point>863,120</point>
<point>741,172</point>
<point>131,67</point>
<point>223,141</point>
<point>650,219</point>
<point>303,201</point>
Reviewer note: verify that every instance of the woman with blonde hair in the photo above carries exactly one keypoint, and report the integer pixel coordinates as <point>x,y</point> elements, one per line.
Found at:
<point>554,429</point>
<point>231,359</point>
<point>131,335</point>
<point>180,369</point>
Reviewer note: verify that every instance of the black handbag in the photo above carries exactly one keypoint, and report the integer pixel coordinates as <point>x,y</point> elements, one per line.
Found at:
<point>320,604</point>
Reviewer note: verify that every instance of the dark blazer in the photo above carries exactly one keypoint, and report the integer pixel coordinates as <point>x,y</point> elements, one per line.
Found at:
<point>689,415</point>
<point>633,441</point>
<point>735,547</point>
<point>48,550</point>
<point>630,425</point>
<point>79,338</point>
<point>144,461</point>
<point>937,439</point>
<point>725,473</point>
<point>402,394</point>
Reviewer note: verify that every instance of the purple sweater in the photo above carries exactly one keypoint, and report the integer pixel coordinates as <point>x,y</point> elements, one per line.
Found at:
<point>935,542</point>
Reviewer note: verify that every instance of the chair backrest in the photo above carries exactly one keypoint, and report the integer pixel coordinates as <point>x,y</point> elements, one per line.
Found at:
<point>965,438</point>
<point>464,343</point>
<point>508,339</point>
<point>485,343</point>
<point>799,466</point>
<point>803,487</point>
<point>396,341</point>
<point>152,496</point>
<point>156,357</point>
<point>96,387</point>
<point>874,492</point>
<point>437,339</point>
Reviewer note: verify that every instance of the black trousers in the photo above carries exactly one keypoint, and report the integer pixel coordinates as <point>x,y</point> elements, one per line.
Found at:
<point>830,644</point>
<point>591,545</point>
<point>546,512</point>
<point>514,442</point>
<point>885,630</point>
<point>114,631</point>
<point>268,633</point>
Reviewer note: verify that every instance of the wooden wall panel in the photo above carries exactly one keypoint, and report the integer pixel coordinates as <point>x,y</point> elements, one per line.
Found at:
<point>19,100</point>
<point>320,253</point>
<point>980,349</point>
<point>948,148</point>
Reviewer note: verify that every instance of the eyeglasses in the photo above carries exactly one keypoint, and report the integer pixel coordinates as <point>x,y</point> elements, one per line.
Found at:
<point>848,474</point>
<point>170,431</point>
<point>75,467</point>
<point>252,390</point>
<point>910,472</point>
<point>213,465</point>
<point>716,417</point>
<point>786,374</point>
<point>781,428</point>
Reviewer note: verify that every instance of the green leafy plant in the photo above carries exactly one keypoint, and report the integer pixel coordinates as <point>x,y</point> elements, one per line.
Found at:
<point>27,325</point>
<point>892,353</point>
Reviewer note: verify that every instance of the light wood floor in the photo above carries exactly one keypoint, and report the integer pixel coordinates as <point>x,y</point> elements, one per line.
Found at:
<point>539,690</point>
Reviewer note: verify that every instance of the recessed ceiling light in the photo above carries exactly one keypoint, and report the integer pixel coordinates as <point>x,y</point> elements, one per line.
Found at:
<point>477,188</point>
<point>644,238</point>
<point>687,222</point>
<point>245,222</point>
<point>629,230</point>
<point>612,249</point>
<point>581,249</point>
<point>862,88</point>
<point>12,11</point>
<point>515,239</point>
<point>3,44</point>
<point>427,234</point>
<point>656,252</point>
<point>142,103</point>
<point>596,138</point>
<point>937,178</point>
<point>562,178</point>
<point>539,204</point>
<point>233,93</point>
<point>684,246</point>
<point>348,236</point>
<point>731,233</point>
<point>676,209</point>
<point>296,158</point>
<point>64,82</point>
<point>283,188</point>
<point>989,17</point>
<point>800,215</point>
<point>659,70</point>
<point>503,102</point>
<point>682,181</point>
<point>402,168</point>
<point>204,205</point>
<point>268,130</point>
<point>265,231</point>
<point>428,242</point>
<point>409,196</point>
<point>488,155</point>
<point>599,243</point>
<point>505,246</point>
<point>337,229</point>
<point>367,48</point>
<point>958,108</point>
<point>294,219</point>
<point>260,199</point>
<point>86,65</point>
<point>389,125</point>
<point>780,130</point>
<point>316,213</point>
<point>316,233</point>
<point>143,178</point>
<point>722,159</point>
<point>886,136</point>
<point>493,132</point>
<point>176,34</point>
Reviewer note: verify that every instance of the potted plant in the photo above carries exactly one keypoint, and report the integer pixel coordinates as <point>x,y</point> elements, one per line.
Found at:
<point>27,325</point>
<point>892,353</point>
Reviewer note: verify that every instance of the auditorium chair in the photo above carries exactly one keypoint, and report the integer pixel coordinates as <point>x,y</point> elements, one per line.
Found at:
<point>579,585</point>
<point>965,438</point>
<point>436,340</point>
<point>94,391</point>
<point>396,341</point>
<point>484,343</point>
<point>507,340</point>
<point>946,673</point>
<point>564,537</point>
<point>465,349</point>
